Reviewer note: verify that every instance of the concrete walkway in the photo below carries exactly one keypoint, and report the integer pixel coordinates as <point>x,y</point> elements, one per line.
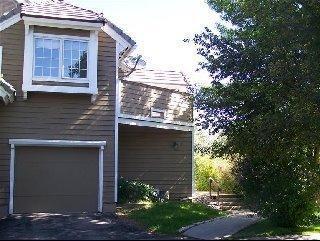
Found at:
<point>221,228</point>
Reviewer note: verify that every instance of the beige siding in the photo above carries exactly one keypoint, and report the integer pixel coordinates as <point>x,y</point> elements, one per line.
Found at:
<point>6,6</point>
<point>147,154</point>
<point>57,116</point>
<point>138,99</point>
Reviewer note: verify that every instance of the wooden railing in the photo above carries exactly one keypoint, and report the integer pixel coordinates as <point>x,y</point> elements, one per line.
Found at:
<point>214,186</point>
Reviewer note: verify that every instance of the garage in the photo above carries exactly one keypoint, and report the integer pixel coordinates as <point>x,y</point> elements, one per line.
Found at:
<point>56,176</point>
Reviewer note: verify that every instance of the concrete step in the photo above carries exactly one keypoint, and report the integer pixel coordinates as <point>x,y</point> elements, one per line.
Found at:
<point>226,195</point>
<point>227,203</point>
<point>231,203</point>
<point>233,199</point>
<point>229,208</point>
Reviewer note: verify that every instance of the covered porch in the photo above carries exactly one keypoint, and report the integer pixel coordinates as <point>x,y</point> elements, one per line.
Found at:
<point>162,158</point>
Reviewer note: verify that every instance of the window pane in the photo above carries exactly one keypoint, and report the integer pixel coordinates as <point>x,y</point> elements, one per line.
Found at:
<point>75,45</point>
<point>55,54</point>
<point>55,63</point>
<point>56,44</point>
<point>75,63</point>
<point>83,73</point>
<point>75,54</point>
<point>47,53</point>
<point>76,73</point>
<point>55,72</point>
<point>38,71</point>
<point>67,54</point>
<point>67,45</point>
<point>39,43</point>
<point>39,62</point>
<point>46,62</point>
<point>47,48</point>
<point>67,63</point>
<point>46,72</point>
<point>39,52</point>
<point>83,46</point>
<point>67,73</point>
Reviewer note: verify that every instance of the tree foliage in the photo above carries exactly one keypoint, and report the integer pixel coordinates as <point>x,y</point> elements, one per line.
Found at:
<point>265,98</point>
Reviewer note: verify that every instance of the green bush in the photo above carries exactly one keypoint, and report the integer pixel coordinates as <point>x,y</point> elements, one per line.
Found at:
<point>216,168</point>
<point>135,191</point>
<point>284,190</point>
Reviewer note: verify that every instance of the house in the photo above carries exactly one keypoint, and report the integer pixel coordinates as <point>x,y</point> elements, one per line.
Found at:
<point>71,123</point>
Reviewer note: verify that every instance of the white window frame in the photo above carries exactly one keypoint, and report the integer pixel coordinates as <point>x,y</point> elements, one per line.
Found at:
<point>61,77</point>
<point>28,73</point>
<point>159,111</point>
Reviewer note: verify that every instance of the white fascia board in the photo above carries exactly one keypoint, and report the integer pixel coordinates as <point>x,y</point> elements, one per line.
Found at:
<point>157,120</point>
<point>158,125</point>
<point>9,22</point>
<point>56,23</point>
<point>117,37</point>
<point>56,143</point>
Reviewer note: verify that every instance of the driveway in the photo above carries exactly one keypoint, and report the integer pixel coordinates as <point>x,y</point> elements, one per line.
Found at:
<point>58,226</point>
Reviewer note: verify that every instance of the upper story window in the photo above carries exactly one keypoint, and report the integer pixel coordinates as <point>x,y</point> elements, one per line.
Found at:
<point>60,63</point>
<point>60,59</point>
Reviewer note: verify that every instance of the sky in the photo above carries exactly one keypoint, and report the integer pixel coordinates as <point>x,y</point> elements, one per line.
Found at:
<point>159,27</point>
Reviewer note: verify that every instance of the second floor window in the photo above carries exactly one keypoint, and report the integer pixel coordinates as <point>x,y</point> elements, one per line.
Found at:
<point>58,58</point>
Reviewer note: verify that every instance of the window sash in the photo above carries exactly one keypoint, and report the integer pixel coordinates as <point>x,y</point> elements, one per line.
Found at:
<point>61,40</point>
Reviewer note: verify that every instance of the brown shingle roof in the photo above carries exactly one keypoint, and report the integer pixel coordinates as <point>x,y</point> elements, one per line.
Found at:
<point>61,10</point>
<point>165,79</point>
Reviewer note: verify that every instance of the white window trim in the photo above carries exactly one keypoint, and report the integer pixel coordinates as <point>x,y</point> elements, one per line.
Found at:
<point>28,77</point>
<point>161,111</point>
<point>56,143</point>
<point>61,77</point>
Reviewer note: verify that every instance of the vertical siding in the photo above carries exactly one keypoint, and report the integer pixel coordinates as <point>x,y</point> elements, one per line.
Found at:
<point>138,99</point>
<point>147,154</point>
<point>57,116</point>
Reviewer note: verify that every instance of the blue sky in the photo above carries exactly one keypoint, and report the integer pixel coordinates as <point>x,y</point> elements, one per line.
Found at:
<point>159,27</point>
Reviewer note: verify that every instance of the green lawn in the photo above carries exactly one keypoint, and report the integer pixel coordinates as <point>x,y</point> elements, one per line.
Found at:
<point>168,218</point>
<point>266,229</point>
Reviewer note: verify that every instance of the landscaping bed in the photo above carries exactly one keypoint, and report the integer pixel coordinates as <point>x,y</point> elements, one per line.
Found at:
<point>168,217</point>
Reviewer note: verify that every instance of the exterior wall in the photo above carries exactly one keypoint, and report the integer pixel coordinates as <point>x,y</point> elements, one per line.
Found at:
<point>147,154</point>
<point>137,99</point>
<point>6,6</point>
<point>57,116</point>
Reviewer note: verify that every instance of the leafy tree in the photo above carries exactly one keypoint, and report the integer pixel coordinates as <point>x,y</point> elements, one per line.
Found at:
<point>265,99</point>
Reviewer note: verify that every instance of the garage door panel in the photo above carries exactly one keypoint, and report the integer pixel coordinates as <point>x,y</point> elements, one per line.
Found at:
<point>53,179</point>
<point>62,204</point>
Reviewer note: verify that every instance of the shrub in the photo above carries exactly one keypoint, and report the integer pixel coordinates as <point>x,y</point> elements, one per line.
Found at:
<point>283,190</point>
<point>217,168</point>
<point>135,191</point>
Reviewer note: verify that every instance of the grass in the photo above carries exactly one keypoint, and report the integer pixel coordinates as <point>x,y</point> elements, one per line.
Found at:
<point>169,217</point>
<point>265,228</point>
